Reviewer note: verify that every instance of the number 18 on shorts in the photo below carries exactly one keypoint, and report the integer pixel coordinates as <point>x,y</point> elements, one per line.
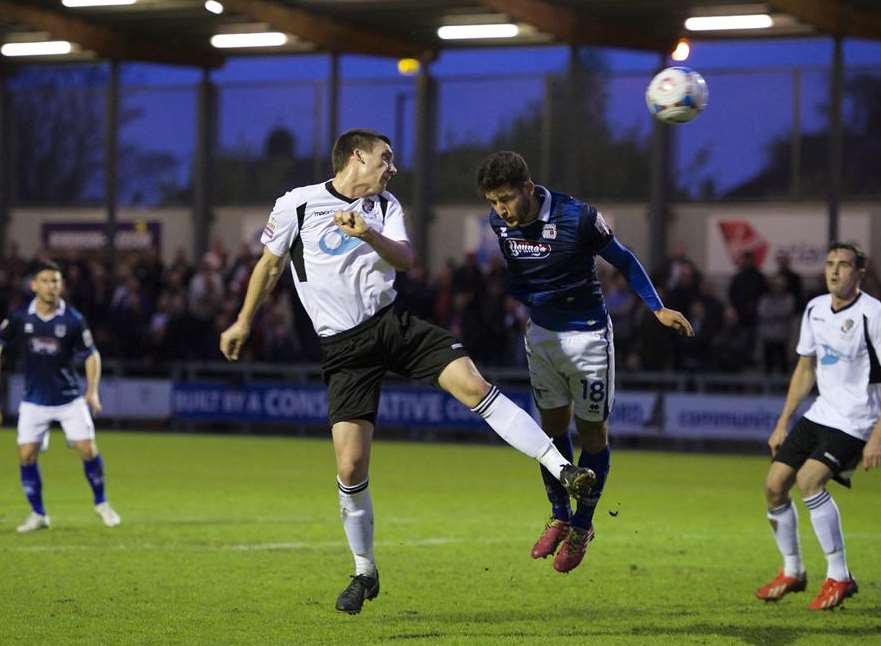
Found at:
<point>575,367</point>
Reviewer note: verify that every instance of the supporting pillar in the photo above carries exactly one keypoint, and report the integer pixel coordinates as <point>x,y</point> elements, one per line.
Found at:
<point>111,163</point>
<point>206,138</point>
<point>659,195</point>
<point>835,138</point>
<point>423,159</point>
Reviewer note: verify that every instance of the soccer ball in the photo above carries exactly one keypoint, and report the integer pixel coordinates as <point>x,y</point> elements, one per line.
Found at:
<point>676,94</point>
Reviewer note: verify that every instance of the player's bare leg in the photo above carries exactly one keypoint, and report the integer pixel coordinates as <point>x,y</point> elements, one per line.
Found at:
<point>351,442</point>
<point>93,466</point>
<point>462,380</point>
<point>594,456</point>
<point>32,485</point>
<point>783,517</point>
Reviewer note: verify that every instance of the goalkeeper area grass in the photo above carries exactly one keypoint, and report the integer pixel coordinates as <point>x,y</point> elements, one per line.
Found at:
<point>237,540</point>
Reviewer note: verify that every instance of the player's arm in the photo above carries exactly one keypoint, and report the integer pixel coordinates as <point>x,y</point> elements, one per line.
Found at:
<point>872,450</point>
<point>800,384</point>
<point>93,380</point>
<point>397,253</point>
<point>625,261</point>
<point>261,283</point>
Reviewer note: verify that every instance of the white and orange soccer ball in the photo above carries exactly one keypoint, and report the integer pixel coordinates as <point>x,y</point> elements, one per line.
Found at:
<point>676,94</point>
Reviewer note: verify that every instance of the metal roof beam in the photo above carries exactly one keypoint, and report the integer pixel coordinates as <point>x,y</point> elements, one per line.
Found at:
<point>326,33</point>
<point>579,28</point>
<point>833,17</point>
<point>107,43</point>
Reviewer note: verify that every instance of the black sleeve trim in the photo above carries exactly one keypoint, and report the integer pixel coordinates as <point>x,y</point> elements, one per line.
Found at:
<point>297,247</point>
<point>874,365</point>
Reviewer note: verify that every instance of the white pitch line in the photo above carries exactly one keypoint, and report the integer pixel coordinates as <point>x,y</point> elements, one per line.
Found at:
<point>248,547</point>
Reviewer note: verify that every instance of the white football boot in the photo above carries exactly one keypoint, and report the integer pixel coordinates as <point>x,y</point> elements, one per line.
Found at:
<point>110,517</point>
<point>32,523</point>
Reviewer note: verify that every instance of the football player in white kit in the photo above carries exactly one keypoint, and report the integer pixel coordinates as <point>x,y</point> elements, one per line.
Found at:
<point>346,239</point>
<point>549,241</point>
<point>53,335</point>
<point>838,347</point>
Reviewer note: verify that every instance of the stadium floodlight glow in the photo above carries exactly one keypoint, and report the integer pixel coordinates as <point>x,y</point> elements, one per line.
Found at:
<point>95,3</point>
<point>214,6</point>
<point>462,32</point>
<point>260,39</point>
<point>721,23</point>
<point>683,49</point>
<point>42,48</point>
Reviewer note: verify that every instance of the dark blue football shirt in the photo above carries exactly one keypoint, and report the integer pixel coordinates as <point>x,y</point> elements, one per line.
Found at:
<point>551,262</point>
<point>51,347</point>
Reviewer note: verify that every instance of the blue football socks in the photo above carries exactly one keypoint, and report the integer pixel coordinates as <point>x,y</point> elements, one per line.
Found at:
<point>33,486</point>
<point>600,463</point>
<point>94,469</point>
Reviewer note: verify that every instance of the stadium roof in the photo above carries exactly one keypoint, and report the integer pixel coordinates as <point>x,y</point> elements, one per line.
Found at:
<point>179,31</point>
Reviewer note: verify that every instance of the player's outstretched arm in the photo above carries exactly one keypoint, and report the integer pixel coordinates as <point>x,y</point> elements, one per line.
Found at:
<point>397,253</point>
<point>625,261</point>
<point>800,384</point>
<point>93,380</point>
<point>262,281</point>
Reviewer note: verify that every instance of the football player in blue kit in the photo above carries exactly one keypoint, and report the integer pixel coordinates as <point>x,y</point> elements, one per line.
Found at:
<point>53,335</point>
<point>549,241</point>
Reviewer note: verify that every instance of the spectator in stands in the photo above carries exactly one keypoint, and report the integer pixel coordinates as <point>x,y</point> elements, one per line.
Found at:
<point>623,306</point>
<point>792,280</point>
<point>731,348</point>
<point>776,311</point>
<point>746,287</point>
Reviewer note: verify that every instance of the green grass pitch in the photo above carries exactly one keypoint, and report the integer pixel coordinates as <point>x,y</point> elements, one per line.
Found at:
<point>236,540</point>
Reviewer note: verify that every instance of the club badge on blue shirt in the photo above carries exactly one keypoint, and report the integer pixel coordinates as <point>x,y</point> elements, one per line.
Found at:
<point>549,232</point>
<point>60,331</point>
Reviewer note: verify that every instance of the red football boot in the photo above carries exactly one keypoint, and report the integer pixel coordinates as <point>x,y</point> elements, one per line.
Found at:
<point>833,593</point>
<point>554,533</point>
<point>572,551</point>
<point>781,585</point>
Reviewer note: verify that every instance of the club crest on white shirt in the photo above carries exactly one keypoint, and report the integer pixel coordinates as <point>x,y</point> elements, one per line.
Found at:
<point>367,205</point>
<point>847,326</point>
<point>549,232</point>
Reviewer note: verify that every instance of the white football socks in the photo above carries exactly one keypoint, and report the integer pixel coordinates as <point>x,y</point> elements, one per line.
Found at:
<point>356,510</point>
<point>827,526</point>
<point>784,525</point>
<point>517,428</point>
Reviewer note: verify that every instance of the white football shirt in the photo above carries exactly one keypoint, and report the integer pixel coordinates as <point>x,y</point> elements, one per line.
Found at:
<point>341,280</point>
<point>846,344</point>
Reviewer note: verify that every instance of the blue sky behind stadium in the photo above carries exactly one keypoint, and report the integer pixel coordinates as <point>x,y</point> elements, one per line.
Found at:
<point>750,97</point>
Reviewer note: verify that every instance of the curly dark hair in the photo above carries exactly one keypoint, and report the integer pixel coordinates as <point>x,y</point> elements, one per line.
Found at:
<point>503,168</point>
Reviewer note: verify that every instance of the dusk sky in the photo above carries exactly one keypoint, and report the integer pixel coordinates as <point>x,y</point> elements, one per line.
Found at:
<point>750,102</point>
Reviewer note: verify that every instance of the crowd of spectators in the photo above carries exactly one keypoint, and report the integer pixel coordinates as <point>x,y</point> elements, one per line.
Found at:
<point>153,313</point>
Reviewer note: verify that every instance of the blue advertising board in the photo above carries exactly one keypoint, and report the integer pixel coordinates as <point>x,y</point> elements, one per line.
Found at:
<point>304,404</point>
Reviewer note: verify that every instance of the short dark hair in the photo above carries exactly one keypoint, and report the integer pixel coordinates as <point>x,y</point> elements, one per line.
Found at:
<point>503,168</point>
<point>46,265</point>
<point>858,254</point>
<point>347,142</point>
